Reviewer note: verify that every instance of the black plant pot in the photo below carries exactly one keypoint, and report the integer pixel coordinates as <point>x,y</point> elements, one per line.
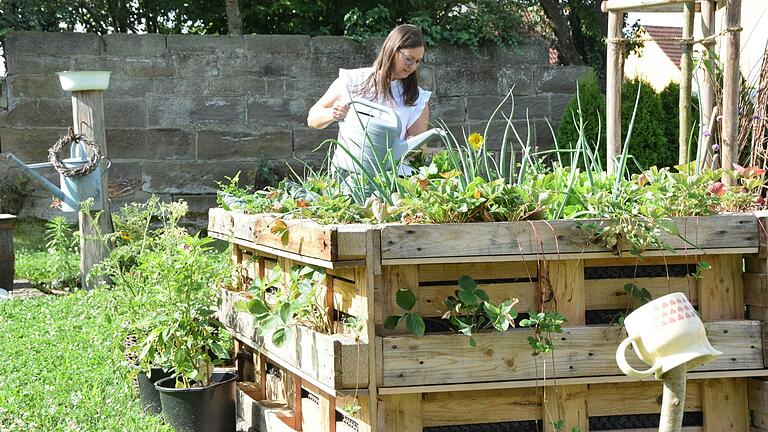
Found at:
<point>148,395</point>
<point>203,409</point>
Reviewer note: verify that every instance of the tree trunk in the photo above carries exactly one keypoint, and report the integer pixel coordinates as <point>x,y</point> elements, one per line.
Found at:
<point>565,46</point>
<point>234,19</point>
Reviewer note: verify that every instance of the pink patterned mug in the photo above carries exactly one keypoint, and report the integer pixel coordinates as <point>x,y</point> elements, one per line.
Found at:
<point>665,333</point>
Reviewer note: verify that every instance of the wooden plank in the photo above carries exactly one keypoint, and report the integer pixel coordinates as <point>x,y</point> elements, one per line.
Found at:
<point>372,286</point>
<point>261,415</point>
<point>402,413</point>
<point>395,278</point>
<point>636,398</point>
<point>755,289</point>
<point>566,279</point>
<point>610,294</point>
<point>362,417</point>
<point>757,313</point>
<point>724,404</point>
<point>755,264</point>
<point>579,352</point>
<point>721,292</point>
<point>567,403</point>
<point>547,256</point>
<point>431,299</point>
<point>347,299</point>
<point>757,392</point>
<point>313,356</point>
<point>492,406</point>
<point>534,238</point>
<point>529,384</point>
<point>481,271</point>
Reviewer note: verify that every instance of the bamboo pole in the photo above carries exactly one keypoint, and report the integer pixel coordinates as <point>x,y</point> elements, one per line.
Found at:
<point>627,5</point>
<point>614,78</point>
<point>729,151</point>
<point>707,91</point>
<point>88,116</point>
<point>686,77</point>
<point>673,400</point>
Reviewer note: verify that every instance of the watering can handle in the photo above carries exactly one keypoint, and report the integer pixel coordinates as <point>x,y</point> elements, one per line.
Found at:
<point>370,104</point>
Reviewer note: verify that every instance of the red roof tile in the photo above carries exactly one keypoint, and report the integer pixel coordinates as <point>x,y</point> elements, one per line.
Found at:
<point>671,48</point>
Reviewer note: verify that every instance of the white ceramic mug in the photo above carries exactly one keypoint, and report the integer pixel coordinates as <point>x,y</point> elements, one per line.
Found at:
<point>665,333</point>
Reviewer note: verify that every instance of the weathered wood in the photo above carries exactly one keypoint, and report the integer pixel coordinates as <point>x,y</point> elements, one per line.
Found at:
<point>259,414</point>
<point>518,240</point>
<point>568,295</point>
<point>402,413</point>
<point>614,78</point>
<point>707,88</point>
<point>580,352</point>
<point>636,398</point>
<point>304,237</point>
<point>479,271</point>
<point>638,5</point>
<point>731,89</point>
<point>724,404</point>
<point>374,288</point>
<point>431,299</point>
<point>88,119</point>
<point>721,292</point>
<point>686,84</point>
<point>317,357</point>
<point>395,278</point>
<point>567,403</point>
<point>755,289</point>
<point>7,271</point>
<point>673,400</point>
<point>492,406</point>
<point>757,391</point>
<point>610,294</point>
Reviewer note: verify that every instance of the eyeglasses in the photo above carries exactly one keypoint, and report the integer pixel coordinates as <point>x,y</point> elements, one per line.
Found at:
<point>410,61</point>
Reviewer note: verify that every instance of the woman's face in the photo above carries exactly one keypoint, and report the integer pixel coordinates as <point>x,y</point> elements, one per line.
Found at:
<point>407,60</point>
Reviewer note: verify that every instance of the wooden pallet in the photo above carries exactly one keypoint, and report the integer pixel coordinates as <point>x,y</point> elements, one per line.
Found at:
<point>409,383</point>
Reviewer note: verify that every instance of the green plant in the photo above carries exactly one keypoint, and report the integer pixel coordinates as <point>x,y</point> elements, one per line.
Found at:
<point>543,325</point>
<point>280,304</point>
<point>58,266</point>
<point>413,320</point>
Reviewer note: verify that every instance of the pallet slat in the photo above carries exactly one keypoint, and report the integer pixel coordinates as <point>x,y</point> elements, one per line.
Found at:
<point>579,352</point>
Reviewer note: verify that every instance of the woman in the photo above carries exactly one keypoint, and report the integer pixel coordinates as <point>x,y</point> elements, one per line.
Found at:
<point>391,82</point>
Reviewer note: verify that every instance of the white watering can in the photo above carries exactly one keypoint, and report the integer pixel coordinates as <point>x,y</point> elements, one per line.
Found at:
<point>364,139</point>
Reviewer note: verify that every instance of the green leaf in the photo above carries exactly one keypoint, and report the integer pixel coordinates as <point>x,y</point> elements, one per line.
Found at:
<point>391,321</point>
<point>467,283</point>
<point>405,299</point>
<point>415,324</point>
<point>482,295</point>
<point>468,298</point>
<point>285,313</point>
<point>669,226</point>
<point>279,336</point>
<point>258,307</point>
<point>472,342</point>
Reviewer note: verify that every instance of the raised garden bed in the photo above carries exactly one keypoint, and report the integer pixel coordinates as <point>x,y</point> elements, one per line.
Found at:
<point>438,380</point>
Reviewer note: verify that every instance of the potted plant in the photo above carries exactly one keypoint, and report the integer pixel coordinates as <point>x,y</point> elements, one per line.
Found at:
<point>188,339</point>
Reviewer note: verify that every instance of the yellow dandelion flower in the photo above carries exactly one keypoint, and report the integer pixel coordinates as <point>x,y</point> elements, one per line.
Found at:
<point>476,141</point>
<point>125,235</point>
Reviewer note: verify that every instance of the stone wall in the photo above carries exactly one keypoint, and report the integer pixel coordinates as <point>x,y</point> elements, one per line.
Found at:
<point>183,111</point>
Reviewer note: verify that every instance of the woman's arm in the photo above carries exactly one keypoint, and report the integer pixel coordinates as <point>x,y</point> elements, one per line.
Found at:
<point>328,108</point>
<point>420,125</point>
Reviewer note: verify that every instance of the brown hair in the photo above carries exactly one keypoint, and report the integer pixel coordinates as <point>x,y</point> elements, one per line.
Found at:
<point>379,83</point>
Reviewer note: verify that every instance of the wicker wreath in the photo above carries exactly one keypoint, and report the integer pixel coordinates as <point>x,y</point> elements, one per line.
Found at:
<point>71,138</point>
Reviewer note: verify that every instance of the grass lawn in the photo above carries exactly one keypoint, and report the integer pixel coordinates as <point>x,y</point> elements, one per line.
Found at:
<point>59,360</point>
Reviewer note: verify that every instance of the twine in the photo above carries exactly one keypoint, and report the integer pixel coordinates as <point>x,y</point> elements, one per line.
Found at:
<point>683,41</point>
<point>71,138</point>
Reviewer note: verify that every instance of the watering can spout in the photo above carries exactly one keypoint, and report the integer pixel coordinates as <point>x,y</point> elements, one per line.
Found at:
<point>29,169</point>
<point>417,141</point>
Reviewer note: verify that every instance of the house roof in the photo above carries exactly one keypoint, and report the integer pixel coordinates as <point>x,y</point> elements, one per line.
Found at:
<point>663,36</point>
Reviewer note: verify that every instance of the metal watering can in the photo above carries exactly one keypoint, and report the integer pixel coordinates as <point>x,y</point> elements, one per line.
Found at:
<point>366,139</point>
<point>75,188</point>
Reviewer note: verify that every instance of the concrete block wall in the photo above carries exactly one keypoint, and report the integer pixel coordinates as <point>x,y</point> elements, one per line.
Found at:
<point>184,111</point>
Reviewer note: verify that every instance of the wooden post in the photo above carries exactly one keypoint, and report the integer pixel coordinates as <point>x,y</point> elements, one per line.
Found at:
<point>568,402</point>
<point>686,77</point>
<point>614,78</point>
<point>730,148</point>
<point>6,251</point>
<point>721,296</point>
<point>88,118</point>
<point>707,91</point>
<point>373,285</point>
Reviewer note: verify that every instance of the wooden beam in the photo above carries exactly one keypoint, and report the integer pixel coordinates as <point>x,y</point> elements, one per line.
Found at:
<point>614,79</point>
<point>638,5</point>
<point>725,405</point>
<point>373,286</point>
<point>686,83</point>
<point>721,290</point>
<point>730,146</point>
<point>88,117</point>
<point>402,413</point>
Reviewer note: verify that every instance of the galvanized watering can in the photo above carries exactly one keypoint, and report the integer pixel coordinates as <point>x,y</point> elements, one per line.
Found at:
<point>366,139</point>
<point>79,175</point>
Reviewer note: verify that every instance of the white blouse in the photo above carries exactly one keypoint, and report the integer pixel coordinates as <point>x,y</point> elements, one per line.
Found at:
<point>353,78</point>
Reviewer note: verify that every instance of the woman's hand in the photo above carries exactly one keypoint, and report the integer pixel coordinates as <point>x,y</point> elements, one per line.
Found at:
<point>339,110</point>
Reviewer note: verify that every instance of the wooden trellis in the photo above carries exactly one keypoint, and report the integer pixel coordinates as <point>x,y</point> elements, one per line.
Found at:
<point>731,35</point>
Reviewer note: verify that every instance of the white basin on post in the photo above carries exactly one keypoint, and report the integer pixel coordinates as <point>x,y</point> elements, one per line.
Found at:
<point>84,80</point>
